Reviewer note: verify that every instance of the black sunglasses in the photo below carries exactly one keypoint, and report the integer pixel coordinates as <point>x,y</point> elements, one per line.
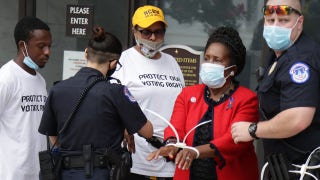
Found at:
<point>146,33</point>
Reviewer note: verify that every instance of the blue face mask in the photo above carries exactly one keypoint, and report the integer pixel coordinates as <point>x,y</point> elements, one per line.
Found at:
<point>28,61</point>
<point>212,75</point>
<point>278,38</point>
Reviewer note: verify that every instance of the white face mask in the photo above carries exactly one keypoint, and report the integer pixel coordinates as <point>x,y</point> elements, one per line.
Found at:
<point>212,75</point>
<point>149,48</point>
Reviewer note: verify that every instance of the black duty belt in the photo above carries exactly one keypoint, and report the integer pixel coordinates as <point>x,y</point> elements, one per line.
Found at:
<point>78,161</point>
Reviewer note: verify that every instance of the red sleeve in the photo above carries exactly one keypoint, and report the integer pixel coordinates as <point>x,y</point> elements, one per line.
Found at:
<point>245,109</point>
<point>178,119</point>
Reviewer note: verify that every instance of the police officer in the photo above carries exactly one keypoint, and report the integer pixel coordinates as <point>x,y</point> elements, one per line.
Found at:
<point>99,121</point>
<point>289,91</point>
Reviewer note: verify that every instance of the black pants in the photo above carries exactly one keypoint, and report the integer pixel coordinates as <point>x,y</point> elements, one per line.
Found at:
<point>133,176</point>
<point>79,174</point>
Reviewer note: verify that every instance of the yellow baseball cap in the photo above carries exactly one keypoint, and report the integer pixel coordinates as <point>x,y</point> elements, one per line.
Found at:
<point>146,15</point>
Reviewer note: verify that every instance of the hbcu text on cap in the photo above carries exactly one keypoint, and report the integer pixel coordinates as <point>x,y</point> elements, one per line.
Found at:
<point>151,12</point>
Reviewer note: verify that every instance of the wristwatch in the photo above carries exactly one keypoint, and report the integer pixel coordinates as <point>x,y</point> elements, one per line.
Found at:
<point>252,130</point>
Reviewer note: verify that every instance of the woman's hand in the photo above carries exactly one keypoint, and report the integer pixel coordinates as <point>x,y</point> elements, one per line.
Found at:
<point>166,151</point>
<point>184,158</point>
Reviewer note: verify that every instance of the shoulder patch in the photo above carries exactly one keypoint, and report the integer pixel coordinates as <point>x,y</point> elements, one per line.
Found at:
<point>128,94</point>
<point>299,72</point>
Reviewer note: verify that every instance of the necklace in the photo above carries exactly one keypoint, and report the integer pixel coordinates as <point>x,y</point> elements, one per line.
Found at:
<point>227,92</point>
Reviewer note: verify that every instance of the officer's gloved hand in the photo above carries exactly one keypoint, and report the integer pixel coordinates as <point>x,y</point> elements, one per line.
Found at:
<point>155,142</point>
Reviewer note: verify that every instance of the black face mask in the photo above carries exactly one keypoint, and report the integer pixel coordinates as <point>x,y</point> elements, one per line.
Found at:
<point>110,72</point>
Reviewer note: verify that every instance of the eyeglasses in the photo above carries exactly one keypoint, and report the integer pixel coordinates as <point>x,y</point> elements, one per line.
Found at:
<point>279,9</point>
<point>119,66</point>
<point>146,33</point>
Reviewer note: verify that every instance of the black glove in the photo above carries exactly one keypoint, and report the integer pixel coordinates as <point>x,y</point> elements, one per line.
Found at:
<point>155,142</point>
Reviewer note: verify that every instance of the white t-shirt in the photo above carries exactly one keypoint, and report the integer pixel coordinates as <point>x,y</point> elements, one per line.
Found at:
<point>155,84</point>
<point>22,99</point>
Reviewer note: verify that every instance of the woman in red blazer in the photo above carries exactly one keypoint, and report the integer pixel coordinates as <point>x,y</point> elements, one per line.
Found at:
<point>209,151</point>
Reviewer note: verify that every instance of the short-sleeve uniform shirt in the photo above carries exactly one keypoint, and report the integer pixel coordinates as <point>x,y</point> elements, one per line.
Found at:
<point>106,110</point>
<point>292,80</point>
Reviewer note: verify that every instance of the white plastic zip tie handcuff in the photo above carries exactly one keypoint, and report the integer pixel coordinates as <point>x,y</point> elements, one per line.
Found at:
<point>179,144</point>
<point>303,168</point>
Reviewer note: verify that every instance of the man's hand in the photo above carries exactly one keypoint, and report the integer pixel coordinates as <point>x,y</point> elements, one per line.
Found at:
<point>240,133</point>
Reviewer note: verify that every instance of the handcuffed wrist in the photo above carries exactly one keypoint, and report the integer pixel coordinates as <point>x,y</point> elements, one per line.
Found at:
<point>170,140</point>
<point>195,150</point>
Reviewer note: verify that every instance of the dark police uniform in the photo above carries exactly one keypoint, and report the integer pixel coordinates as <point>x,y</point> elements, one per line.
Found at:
<point>292,80</point>
<point>107,109</point>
